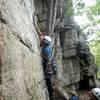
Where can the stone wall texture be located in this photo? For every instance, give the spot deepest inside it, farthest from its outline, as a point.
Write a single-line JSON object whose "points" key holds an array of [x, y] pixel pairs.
{"points": [[21, 69], [21, 73]]}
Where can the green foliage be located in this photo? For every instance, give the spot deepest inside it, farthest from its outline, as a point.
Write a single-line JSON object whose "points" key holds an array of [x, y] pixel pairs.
{"points": [[79, 8], [68, 9], [92, 13], [98, 21], [95, 9], [95, 49], [98, 75]]}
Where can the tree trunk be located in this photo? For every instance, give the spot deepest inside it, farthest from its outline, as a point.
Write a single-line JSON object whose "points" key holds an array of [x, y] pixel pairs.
{"points": [[54, 15], [49, 17]]}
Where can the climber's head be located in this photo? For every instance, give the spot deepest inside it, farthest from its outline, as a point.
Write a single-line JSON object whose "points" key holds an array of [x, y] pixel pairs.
{"points": [[47, 40]]}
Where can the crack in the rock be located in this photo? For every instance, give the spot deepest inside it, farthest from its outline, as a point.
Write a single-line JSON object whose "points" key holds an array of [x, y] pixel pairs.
{"points": [[20, 39], [35, 88], [2, 19]]}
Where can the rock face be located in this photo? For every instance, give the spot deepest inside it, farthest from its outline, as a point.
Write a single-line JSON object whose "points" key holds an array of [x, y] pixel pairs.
{"points": [[21, 70], [71, 69], [21, 73], [69, 40]]}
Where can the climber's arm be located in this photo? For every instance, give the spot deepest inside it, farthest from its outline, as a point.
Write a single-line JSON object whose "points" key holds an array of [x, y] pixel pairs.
{"points": [[40, 34]]}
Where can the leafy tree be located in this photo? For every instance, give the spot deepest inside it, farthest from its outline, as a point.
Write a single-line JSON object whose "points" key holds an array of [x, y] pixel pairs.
{"points": [[92, 27]]}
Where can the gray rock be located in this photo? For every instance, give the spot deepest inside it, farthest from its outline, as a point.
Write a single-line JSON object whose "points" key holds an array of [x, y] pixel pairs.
{"points": [[21, 73]]}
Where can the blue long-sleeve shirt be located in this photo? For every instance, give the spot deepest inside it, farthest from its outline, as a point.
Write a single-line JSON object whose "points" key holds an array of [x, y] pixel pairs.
{"points": [[47, 51]]}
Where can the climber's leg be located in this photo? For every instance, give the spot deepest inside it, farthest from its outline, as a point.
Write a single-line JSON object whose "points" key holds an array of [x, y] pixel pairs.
{"points": [[49, 87]]}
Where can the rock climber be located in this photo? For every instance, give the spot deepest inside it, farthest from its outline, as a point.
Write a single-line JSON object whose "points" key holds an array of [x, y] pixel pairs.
{"points": [[46, 52]]}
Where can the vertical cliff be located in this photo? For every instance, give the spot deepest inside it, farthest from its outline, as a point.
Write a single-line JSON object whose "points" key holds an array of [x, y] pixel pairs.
{"points": [[21, 69], [21, 73]]}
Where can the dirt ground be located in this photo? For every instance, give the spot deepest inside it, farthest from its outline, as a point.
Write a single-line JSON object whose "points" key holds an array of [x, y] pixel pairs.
{"points": [[88, 95]]}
